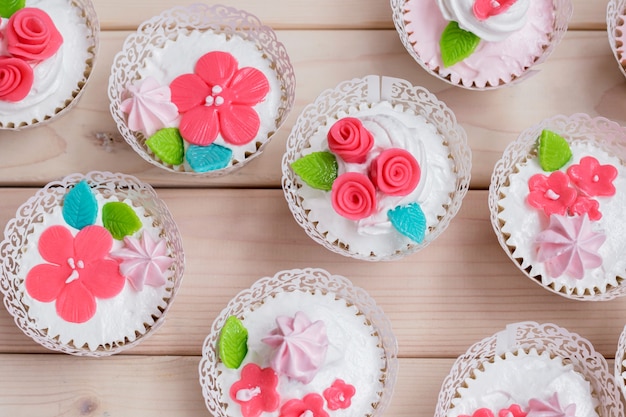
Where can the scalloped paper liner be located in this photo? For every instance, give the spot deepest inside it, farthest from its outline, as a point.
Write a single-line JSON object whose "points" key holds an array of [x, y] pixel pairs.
{"points": [[615, 23]]}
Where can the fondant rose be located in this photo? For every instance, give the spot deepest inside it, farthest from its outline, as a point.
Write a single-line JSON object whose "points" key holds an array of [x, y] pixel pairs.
{"points": [[16, 79], [395, 172], [349, 139], [353, 196], [31, 35]]}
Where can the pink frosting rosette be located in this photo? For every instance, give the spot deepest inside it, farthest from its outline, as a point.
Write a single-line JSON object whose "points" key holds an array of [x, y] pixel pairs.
{"points": [[32, 35], [16, 79], [353, 196], [395, 172], [349, 139]]}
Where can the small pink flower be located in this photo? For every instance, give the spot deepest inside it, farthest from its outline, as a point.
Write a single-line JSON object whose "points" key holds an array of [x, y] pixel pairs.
{"points": [[484, 9], [256, 391], [219, 98], [395, 172], [312, 405], [481, 412], [585, 205], [553, 194], [513, 411], [31, 35], [349, 139], [339, 395], [16, 79], [592, 178], [353, 196]]}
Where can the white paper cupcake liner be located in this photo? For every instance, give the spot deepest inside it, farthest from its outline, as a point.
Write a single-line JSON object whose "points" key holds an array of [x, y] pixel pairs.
{"points": [[31, 213], [547, 337], [307, 280], [615, 9], [620, 362], [156, 32]]}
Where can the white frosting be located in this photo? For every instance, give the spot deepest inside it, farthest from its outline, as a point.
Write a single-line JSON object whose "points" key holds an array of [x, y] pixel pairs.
{"points": [[56, 78], [117, 319], [179, 57], [353, 355], [390, 127], [520, 377], [523, 223], [493, 29]]}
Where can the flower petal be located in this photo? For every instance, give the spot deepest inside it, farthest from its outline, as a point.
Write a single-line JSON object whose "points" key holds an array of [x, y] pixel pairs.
{"points": [[103, 278], [56, 244], [239, 124], [92, 243], [189, 91], [44, 282], [249, 86], [75, 303], [200, 126], [216, 68]]}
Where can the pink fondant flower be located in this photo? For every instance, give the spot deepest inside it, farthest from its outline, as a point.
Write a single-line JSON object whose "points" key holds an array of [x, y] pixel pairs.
{"points": [[481, 412], [78, 272], [256, 391], [312, 405], [550, 408], [353, 196], [513, 411], [484, 9], [16, 79], [144, 261], [339, 395], [218, 99], [588, 206], [553, 194], [31, 35], [149, 106], [349, 139], [592, 178], [395, 172], [569, 246]]}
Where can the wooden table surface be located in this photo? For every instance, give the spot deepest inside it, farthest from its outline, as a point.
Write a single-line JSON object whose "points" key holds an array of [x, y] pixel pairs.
{"points": [[238, 228]]}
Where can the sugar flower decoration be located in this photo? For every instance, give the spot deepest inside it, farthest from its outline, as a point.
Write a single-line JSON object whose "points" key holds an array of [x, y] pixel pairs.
{"points": [[256, 391], [312, 405], [339, 395], [481, 412], [592, 178], [78, 271], [553, 194], [550, 408], [218, 99], [513, 411], [569, 246], [144, 261], [149, 106]]}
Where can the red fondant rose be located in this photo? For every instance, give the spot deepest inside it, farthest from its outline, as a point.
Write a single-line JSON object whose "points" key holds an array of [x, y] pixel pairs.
{"points": [[353, 196], [31, 35], [349, 139], [395, 172], [16, 79]]}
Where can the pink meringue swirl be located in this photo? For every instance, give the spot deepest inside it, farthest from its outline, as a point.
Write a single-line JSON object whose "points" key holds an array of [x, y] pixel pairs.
{"points": [[550, 408], [149, 106], [299, 347], [31, 35], [349, 139], [395, 172], [16, 79], [353, 196]]}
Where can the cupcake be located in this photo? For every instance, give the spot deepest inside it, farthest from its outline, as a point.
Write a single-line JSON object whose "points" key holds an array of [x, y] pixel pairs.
{"points": [[616, 30], [303, 342], [556, 199], [47, 52], [480, 44], [376, 168], [91, 264], [201, 89], [530, 370]]}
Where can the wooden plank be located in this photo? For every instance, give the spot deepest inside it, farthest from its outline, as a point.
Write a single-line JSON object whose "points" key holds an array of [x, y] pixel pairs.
{"points": [[581, 76], [458, 290]]}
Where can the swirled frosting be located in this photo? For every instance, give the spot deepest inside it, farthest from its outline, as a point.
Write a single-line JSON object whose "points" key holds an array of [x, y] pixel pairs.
{"points": [[491, 28]]}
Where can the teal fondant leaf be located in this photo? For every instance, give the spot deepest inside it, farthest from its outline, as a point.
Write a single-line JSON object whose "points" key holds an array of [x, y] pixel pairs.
{"points": [[409, 220], [317, 169], [120, 219], [80, 207], [208, 158]]}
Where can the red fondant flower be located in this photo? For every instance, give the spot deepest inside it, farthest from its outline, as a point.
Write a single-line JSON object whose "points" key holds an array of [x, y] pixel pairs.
{"points": [[218, 98], [553, 194], [584, 205], [16, 79], [353, 196], [395, 172], [349, 139], [78, 272], [592, 178], [481, 412], [513, 411], [312, 405], [31, 35], [484, 9], [256, 391], [339, 395]]}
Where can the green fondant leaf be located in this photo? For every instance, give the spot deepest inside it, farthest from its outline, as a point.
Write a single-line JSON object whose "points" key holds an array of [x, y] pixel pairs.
{"points": [[554, 151], [409, 220], [456, 44], [8, 7], [80, 207], [120, 219], [208, 158], [233, 343], [318, 169], [167, 144]]}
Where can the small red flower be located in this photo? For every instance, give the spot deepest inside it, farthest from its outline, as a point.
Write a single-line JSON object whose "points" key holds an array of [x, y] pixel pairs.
{"points": [[481, 412], [31, 35], [395, 172], [553, 194], [592, 178], [16, 79], [584, 205], [312, 405], [256, 391], [353, 196], [513, 411], [339, 395], [349, 139]]}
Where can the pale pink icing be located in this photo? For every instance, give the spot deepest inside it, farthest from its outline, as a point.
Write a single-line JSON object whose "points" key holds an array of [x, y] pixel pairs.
{"points": [[569, 246], [299, 346], [550, 408], [492, 63], [149, 106]]}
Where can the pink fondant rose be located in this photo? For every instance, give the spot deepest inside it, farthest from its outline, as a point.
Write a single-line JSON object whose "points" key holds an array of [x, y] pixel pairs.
{"points": [[349, 139], [395, 172], [31, 35], [16, 79], [353, 196]]}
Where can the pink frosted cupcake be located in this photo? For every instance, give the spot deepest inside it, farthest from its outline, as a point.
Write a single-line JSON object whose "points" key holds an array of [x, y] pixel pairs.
{"points": [[91, 264], [480, 44]]}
